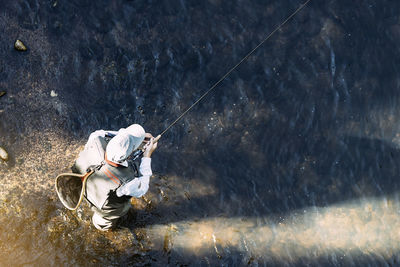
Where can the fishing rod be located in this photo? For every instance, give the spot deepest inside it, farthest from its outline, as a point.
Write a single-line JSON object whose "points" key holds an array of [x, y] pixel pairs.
{"points": [[64, 180], [233, 68], [140, 152]]}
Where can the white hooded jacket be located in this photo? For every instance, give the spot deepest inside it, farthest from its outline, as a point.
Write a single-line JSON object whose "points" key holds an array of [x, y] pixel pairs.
{"points": [[117, 150]]}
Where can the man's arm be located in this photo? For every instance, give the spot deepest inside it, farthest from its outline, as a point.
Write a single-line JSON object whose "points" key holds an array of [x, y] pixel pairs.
{"points": [[139, 186]]}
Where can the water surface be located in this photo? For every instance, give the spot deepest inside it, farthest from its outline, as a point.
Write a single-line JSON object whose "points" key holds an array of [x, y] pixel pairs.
{"points": [[291, 161]]}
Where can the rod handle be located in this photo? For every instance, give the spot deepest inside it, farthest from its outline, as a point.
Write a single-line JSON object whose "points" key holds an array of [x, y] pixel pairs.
{"points": [[157, 138]]}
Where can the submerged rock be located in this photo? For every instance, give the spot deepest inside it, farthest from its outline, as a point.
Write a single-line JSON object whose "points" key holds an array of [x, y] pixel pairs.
{"points": [[3, 154], [19, 45], [2, 93], [141, 110], [53, 93]]}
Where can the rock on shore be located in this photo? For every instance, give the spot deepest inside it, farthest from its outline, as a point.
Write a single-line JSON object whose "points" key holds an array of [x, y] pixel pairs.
{"points": [[3, 154], [19, 45]]}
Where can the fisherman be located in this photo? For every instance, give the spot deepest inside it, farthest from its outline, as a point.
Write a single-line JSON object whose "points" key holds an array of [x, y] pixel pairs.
{"points": [[116, 178]]}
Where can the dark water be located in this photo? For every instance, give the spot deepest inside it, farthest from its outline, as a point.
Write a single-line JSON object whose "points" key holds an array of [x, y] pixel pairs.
{"points": [[291, 161]]}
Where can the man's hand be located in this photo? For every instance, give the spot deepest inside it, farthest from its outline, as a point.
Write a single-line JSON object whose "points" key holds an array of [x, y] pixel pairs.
{"points": [[151, 146]]}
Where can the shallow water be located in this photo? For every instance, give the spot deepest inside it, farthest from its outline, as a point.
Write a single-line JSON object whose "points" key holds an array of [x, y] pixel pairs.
{"points": [[291, 161]]}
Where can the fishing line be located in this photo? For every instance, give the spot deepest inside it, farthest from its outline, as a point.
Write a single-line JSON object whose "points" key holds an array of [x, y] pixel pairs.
{"points": [[237, 65]]}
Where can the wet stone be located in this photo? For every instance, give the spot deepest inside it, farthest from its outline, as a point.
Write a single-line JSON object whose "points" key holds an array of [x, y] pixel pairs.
{"points": [[3, 154], [140, 109], [19, 45]]}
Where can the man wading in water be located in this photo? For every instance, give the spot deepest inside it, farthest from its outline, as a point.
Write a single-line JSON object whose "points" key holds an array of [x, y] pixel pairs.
{"points": [[116, 178]]}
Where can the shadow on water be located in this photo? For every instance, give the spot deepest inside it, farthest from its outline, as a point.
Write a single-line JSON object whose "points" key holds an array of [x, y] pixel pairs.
{"points": [[343, 215], [344, 170]]}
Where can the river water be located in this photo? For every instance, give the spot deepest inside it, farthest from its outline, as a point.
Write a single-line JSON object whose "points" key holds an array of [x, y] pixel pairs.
{"points": [[291, 161]]}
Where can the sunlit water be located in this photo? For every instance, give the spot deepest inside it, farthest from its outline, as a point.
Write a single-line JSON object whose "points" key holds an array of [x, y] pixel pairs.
{"points": [[293, 160]]}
